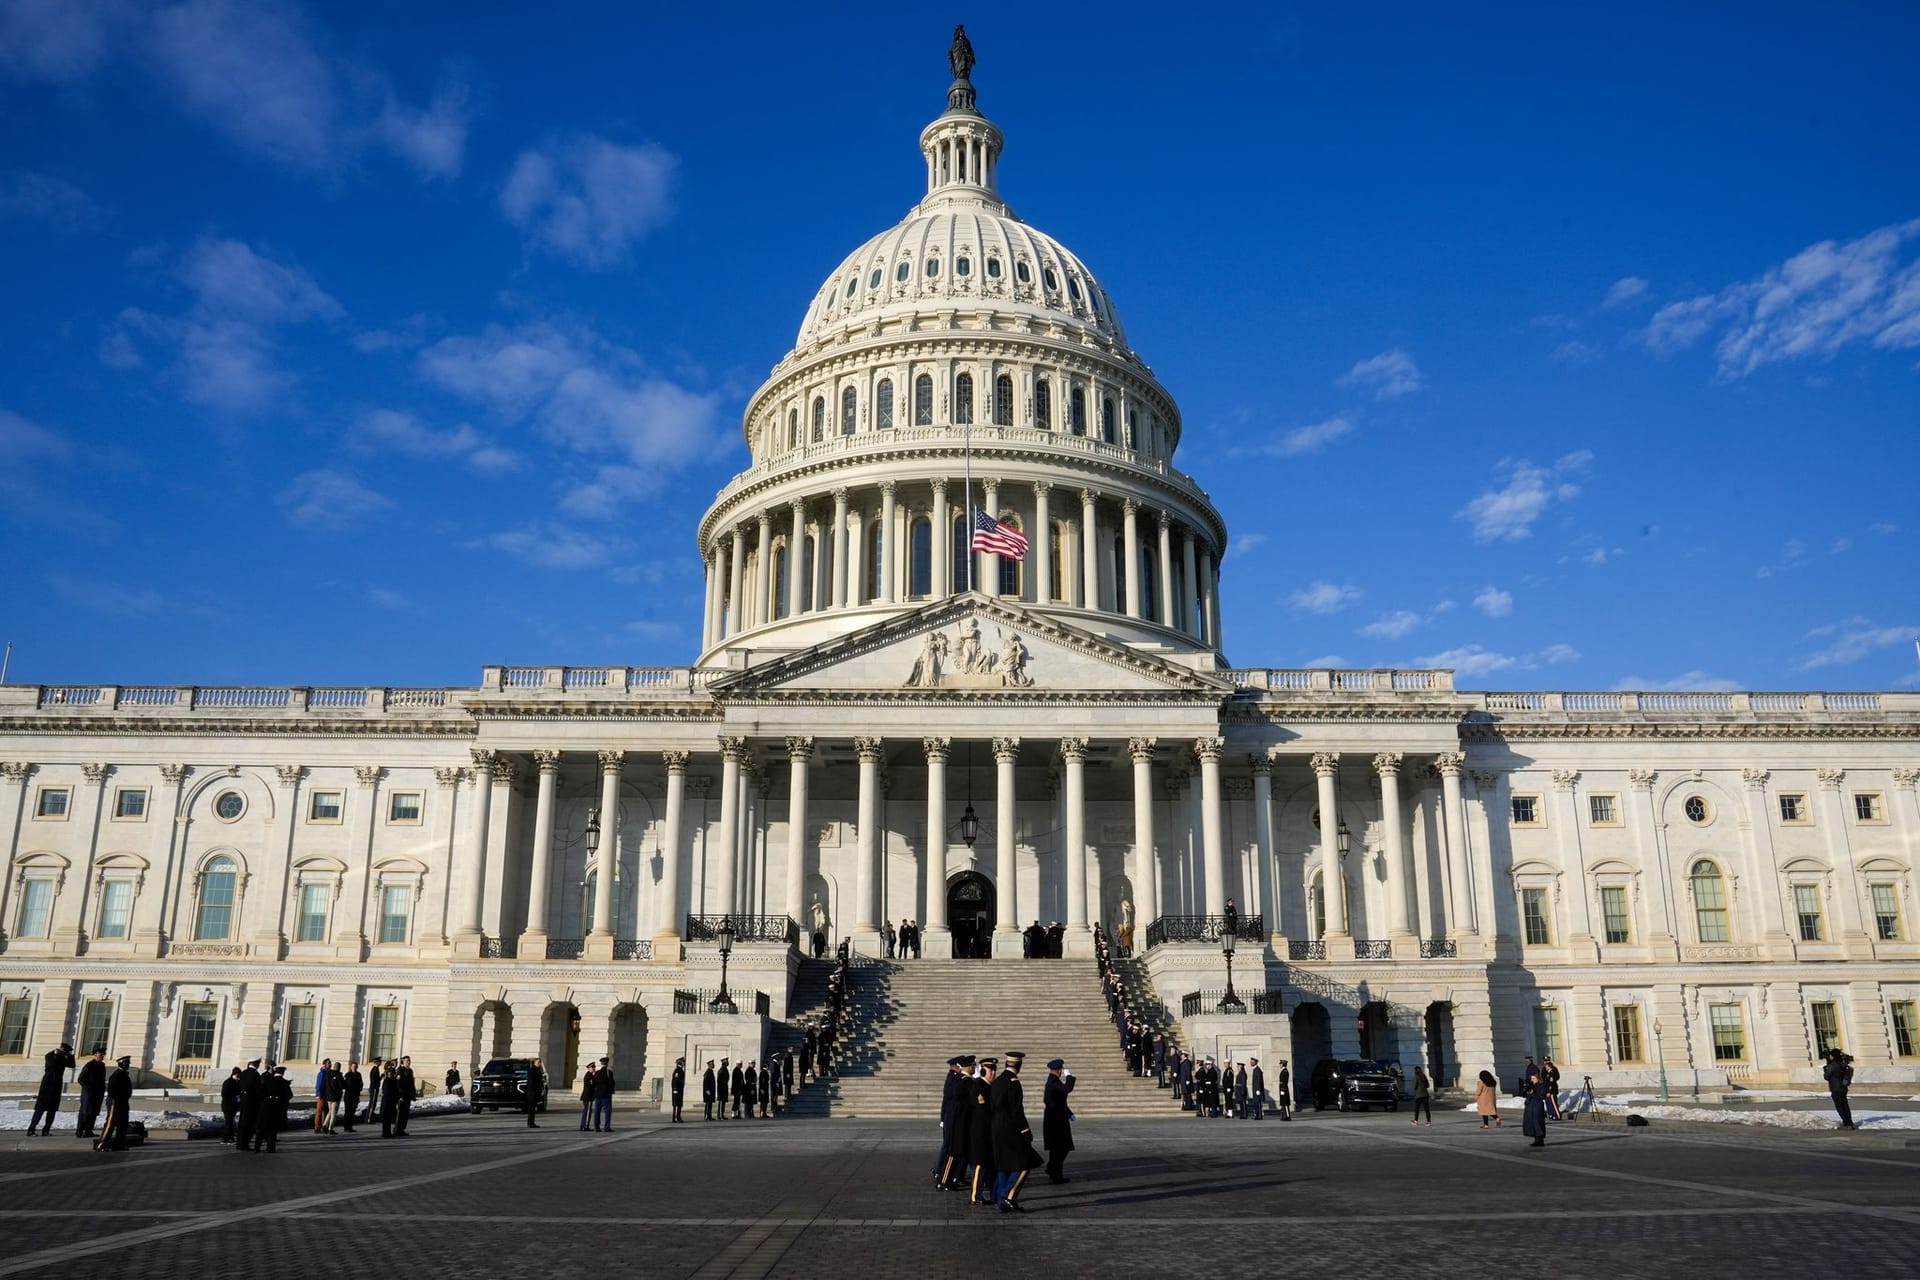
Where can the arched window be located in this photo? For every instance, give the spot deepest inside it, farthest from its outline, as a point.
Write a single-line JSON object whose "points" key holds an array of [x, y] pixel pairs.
{"points": [[963, 400], [1003, 401], [1317, 900], [819, 419], [1057, 569], [1077, 411], [807, 563], [778, 606], [793, 428], [923, 401], [962, 552], [213, 919], [873, 562], [1149, 598], [1709, 901], [1133, 429], [1106, 419], [849, 411], [1010, 569], [920, 559], [1043, 404], [883, 405]]}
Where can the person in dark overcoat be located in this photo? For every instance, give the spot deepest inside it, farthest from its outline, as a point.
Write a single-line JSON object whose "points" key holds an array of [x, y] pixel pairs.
{"points": [[737, 1089], [250, 1095], [402, 1083], [752, 1082], [1534, 1116], [1283, 1090], [230, 1108], [276, 1095], [725, 1082], [536, 1089], [679, 1087], [53, 1081], [389, 1097], [375, 1077], [113, 1134], [1013, 1153], [1257, 1090], [707, 1089], [949, 1105], [351, 1084], [977, 1101], [1056, 1120], [93, 1091]]}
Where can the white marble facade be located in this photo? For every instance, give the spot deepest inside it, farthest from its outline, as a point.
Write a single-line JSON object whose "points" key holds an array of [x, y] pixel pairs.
{"points": [[197, 875]]}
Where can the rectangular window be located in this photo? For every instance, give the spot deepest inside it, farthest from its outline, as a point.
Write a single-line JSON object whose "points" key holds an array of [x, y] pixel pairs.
{"points": [[1729, 1033], [130, 804], [96, 1026], [1533, 910], [1886, 912], [1866, 807], [314, 900], [1793, 807], [196, 1029], [1603, 811], [1613, 906], [393, 912], [116, 909], [16, 1017], [1806, 905], [36, 909], [301, 1019], [52, 802], [383, 1035], [403, 806], [1546, 1031], [1627, 1043], [1526, 811], [1826, 1027], [1906, 1029], [324, 806]]}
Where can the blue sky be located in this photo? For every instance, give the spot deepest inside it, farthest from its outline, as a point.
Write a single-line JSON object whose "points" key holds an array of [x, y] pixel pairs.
{"points": [[367, 344]]}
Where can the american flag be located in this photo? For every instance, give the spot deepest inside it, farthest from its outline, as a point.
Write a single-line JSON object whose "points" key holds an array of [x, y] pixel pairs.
{"points": [[990, 535]]}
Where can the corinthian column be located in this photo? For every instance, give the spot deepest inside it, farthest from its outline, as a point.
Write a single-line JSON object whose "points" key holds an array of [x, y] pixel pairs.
{"points": [[1042, 543], [1165, 575], [1146, 862], [1460, 918], [533, 935], [1267, 903], [1333, 880], [1211, 852], [889, 592], [1089, 553], [666, 944], [935, 917], [867, 881], [1387, 766], [837, 561], [724, 858], [466, 928], [940, 582], [1130, 532], [1074, 752], [796, 559], [1006, 887], [799, 756], [607, 859], [762, 610], [736, 613]]}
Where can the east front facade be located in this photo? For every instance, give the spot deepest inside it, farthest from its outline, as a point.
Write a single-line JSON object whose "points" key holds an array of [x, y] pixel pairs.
{"points": [[961, 665]]}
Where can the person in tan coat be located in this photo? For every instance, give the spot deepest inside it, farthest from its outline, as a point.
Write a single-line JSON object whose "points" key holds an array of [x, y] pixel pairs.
{"points": [[1486, 1099]]}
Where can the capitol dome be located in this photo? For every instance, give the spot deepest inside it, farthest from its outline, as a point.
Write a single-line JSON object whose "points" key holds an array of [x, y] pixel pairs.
{"points": [[960, 361]]}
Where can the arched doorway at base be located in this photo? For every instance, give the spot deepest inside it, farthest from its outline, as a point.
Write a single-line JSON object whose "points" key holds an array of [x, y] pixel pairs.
{"points": [[970, 914], [1442, 1061]]}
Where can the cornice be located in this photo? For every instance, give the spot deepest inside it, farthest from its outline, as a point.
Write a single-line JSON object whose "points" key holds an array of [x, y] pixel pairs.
{"points": [[198, 726], [597, 711], [1705, 731], [1294, 712]]}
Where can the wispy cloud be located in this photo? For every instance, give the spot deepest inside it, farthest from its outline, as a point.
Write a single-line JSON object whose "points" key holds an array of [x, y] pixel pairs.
{"points": [[1508, 513], [1623, 291], [588, 199], [395, 431], [1392, 626], [1309, 439], [1574, 353], [1884, 527], [1324, 597], [387, 598], [1793, 555], [1854, 639], [330, 501], [1469, 660], [552, 546], [1245, 543], [1493, 602], [1685, 682], [1387, 376], [52, 202], [1826, 297], [1325, 661]]}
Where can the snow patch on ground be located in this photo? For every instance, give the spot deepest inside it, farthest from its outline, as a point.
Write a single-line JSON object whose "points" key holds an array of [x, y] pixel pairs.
{"points": [[1764, 1119], [66, 1119]]}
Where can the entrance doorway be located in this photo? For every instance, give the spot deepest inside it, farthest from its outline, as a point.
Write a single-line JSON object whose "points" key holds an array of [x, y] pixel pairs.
{"points": [[1441, 1061], [1376, 1032], [970, 915], [560, 1039], [1312, 1041]]}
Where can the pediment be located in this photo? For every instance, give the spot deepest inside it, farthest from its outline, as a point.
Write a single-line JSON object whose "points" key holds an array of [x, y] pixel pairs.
{"points": [[972, 646]]}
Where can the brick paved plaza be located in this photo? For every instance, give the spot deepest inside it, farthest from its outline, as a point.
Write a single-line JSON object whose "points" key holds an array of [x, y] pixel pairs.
{"points": [[1364, 1194]]}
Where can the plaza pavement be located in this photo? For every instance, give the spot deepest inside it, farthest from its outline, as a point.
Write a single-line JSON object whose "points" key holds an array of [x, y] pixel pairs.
{"points": [[1364, 1194]]}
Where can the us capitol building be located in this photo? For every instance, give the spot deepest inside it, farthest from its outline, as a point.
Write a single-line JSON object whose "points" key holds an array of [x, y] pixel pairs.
{"points": [[884, 725]]}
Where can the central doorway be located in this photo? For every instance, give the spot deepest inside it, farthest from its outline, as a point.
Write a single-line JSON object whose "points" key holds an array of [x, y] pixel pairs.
{"points": [[970, 915]]}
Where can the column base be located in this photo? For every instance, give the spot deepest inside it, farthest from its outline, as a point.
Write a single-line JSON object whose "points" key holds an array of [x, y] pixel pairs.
{"points": [[532, 945], [1077, 943], [668, 947], [466, 944], [1339, 947], [866, 941], [599, 950], [1009, 944]]}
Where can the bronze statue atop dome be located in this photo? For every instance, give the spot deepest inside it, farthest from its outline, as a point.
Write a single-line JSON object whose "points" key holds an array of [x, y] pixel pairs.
{"points": [[960, 53]]}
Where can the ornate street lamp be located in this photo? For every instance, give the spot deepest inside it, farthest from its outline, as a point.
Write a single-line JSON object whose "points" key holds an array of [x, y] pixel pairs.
{"points": [[1343, 838], [723, 1003], [969, 821], [1229, 1003], [1660, 1053], [593, 830]]}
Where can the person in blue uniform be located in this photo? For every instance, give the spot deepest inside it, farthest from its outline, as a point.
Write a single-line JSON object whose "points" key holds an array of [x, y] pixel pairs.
{"points": [[1013, 1153], [679, 1087], [949, 1103], [93, 1091]]}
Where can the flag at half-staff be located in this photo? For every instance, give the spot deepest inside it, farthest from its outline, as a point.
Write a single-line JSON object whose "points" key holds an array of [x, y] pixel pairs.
{"points": [[998, 539]]}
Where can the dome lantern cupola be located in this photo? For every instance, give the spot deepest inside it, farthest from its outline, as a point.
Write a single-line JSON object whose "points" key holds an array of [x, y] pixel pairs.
{"points": [[962, 146]]}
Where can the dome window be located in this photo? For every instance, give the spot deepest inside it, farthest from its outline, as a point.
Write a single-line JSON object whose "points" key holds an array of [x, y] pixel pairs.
{"points": [[819, 419], [1077, 413], [993, 268], [1042, 404], [923, 401], [901, 272], [883, 405], [963, 266], [1052, 281], [853, 282], [849, 411], [933, 268], [1073, 288], [793, 428], [1022, 273], [1002, 400], [873, 281], [1106, 419], [963, 400]]}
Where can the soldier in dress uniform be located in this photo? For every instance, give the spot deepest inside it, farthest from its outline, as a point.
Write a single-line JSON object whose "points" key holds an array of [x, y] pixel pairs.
{"points": [[276, 1096], [1283, 1090], [707, 1089], [113, 1134], [250, 1096], [93, 1091], [230, 1108], [950, 1089], [1056, 1120], [351, 1082], [1013, 1153], [53, 1081], [403, 1110], [737, 1089], [725, 1080], [679, 1087]]}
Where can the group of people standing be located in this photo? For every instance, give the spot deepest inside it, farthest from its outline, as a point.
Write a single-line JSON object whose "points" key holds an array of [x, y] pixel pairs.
{"points": [[902, 942], [986, 1143], [254, 1102], [99, 1089], [1216, 1091], [751, 1088]]}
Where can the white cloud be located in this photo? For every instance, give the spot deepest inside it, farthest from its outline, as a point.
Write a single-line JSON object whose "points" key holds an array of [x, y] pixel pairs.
{"points": [[58, 41], [329, 501], [1245, 543], [1685, 682], [1624, 290], [1391, 626], [1468, 660], [651, 629], [393, 431], [1555, 654], [1574, 353], [1311, 439], [1494, 602], [1325, 661], [1387, 376], [552, 546], [1840, 545], [50, 201], [23, 442], [1824, 298], [1324, 597], [1884, 527], [1854, 639], [386, 598], [589, 200], [1508, 513], [110, 598], [1792, 556]]}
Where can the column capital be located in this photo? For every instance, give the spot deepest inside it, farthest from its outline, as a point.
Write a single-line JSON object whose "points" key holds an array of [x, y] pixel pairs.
{"points": [[1141, 749], [1325, 763], [992, 486], [1564, 779], [504, 773], [612, 761], [483, 759], [799, 750], [95, 772], [1164, 519], [1830, 779], [887, 487], [369, 775], [1388, 762], [1448, 763], [936, 749], [870, 750], [765, 521], [675, 761], [1131, 506], [1485, 779], [1005, 749], [1259, 762], [1641, 779], [1210, 749], [1043, 486], [798, 505], [1756, 779], [1086, 497], [174, 773], [20, 770], [447, 779], [840, 495], [741, 530], [289, 774], [547, 761], [733, 748], [1903, 776], [1073, 749], [938, 483]]}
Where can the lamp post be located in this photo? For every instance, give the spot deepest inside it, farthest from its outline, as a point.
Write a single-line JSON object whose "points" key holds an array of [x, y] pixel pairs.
{"points": [[723, 1003], [1660, 1052], [1229, 1003]]}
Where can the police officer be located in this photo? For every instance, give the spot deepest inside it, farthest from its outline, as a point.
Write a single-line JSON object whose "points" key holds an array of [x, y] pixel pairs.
{"points": [[93, 1090], [679, 1087], [276, 1096], [230, 1108], [351, 1082], [408, 1092], [113, 1135]]}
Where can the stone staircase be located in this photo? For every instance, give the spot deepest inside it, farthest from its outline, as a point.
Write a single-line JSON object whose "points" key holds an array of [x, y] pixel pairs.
{"points": [[905, 1019]]}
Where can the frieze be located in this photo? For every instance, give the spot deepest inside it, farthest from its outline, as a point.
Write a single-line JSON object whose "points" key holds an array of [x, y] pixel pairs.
{"points": [[291, 726], [1511, 731], [1725, 951]]}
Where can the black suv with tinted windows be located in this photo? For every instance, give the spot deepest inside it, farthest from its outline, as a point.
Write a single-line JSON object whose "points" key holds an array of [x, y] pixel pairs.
{"points": [[502, 1085], [1350, 1083]]}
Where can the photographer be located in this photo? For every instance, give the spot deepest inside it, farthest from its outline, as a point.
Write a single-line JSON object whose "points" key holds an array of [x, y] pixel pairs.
{"points": [[1839, 1077]]}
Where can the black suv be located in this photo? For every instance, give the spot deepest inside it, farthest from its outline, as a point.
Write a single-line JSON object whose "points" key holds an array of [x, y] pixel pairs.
{"points": [[502, 1085], [1350, 1083]]}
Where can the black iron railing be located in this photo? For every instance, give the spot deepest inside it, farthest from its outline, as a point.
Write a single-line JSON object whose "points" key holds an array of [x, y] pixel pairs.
{"points": [[1439, 949], [1372, 949], [566, 948], [1204, 929], [745, 928], [747, 1002], [633, 948], [498, 948], [1196, 1003], [1306, 951]]}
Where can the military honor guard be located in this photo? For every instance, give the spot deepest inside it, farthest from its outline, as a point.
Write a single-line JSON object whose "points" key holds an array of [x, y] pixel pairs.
{"points": [[1012, 1137], [119, 1087], [1056, 1120], [93, 1091], [276, 1096], [707, 1088], [679, 1087], [53, 1081]]}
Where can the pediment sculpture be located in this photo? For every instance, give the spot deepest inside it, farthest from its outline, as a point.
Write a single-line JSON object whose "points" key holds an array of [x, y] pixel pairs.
{"points": [[965, 661]]}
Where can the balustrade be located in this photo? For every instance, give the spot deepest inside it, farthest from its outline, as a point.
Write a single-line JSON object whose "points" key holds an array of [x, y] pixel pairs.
{"points": [[1203, 929], [745, 928]]}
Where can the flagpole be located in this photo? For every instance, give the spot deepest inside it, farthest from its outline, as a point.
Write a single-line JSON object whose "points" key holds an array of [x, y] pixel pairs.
{"points": [[967, 452]]}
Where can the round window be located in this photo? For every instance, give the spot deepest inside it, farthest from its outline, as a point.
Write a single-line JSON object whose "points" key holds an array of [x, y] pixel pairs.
{"points": [[963, 266], [933, 267], [900, 272], [873, 281], [229, 806], [1021, 273], [1696, 809], [993, 268], [1053, 282]]}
